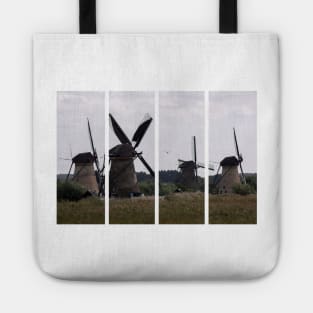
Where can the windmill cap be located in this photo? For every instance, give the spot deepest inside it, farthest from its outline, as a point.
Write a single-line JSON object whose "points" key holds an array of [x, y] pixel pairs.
{"points": [[122, 151], [230, 161], [86, 157]]}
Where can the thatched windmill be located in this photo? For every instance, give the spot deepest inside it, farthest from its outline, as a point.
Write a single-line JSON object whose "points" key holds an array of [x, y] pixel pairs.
{"points": [[188, 176], [224, 182], [84, 173], [123, 178]]}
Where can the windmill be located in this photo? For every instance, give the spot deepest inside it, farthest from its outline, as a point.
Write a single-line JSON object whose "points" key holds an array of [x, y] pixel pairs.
{"points": [[189, 169], [230, 176], [123, 178], [84, 172]]}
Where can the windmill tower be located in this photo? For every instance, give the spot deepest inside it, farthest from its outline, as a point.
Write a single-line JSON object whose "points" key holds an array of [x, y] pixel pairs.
{"points": [[230, 176], [188, 176], [84, 172], [123, 178]]}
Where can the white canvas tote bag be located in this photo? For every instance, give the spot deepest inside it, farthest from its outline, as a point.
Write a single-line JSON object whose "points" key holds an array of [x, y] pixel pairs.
{"points": [[156, 156]]}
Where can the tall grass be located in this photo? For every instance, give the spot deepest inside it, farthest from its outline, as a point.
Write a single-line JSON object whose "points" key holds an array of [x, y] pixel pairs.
{"points": [[85, 211], [233, 209], [176, 208], [182, 208], [132, 211]]}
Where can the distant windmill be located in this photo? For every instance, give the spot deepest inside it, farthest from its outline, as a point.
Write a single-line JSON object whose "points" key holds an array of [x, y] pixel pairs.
{"points": [[123, 178], [84, 172], [189, 169], [230, 176]]}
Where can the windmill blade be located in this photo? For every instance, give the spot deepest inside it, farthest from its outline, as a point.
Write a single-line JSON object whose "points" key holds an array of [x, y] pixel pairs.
{"points": [[93, 147], [69, 172], [236, 145], [118, 131], [141, 130], [242, 174], [181, 161], [216, 176], [194, 149], [195, 156], [101, 187], [90, 136], [144, 162], [239, 158], [201, 165], [103, 165]]}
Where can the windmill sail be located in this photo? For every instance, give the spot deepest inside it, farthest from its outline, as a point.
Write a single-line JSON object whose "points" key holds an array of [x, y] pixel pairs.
{"points": [[145, 163], [239, 156], [94, 152], [69, 172], [99, 171], [118, 131], [139, 134], [195, 156], [141, 130]]}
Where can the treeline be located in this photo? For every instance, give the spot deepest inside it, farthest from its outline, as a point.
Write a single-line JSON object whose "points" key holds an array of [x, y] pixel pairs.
{"points": [[169, 176]]}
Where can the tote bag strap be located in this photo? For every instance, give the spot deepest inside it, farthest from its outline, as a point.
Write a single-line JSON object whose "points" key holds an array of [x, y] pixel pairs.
{"points": [[228, 16], [87, 17]]}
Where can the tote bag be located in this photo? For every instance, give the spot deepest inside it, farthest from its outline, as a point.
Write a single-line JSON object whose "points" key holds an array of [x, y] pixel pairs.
{"points": [[156, 156]]}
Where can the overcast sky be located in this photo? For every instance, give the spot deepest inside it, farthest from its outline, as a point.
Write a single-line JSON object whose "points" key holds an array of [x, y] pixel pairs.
{"points": [[228, 110], [129, 109], [72, 132], [181, 117]]}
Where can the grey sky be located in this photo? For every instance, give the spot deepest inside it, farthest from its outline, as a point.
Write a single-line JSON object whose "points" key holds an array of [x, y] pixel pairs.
{"points": [[181, 117], [228, 110], [73, 108], [129, 110]]}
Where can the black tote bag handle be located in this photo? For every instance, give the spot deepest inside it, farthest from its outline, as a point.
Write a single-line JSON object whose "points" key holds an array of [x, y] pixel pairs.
{"points": [[87, 17], [228, 17]]}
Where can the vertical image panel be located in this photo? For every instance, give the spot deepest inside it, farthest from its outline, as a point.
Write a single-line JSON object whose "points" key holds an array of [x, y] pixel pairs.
{"points": [[181, 158], [80, 157], [131, 154], [233, 155]]}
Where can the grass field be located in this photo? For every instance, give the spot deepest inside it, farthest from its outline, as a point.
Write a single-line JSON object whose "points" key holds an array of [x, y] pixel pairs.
{"points": [[233, 209], [176, 208], [86, 211], [182, 208], [132, 211]]}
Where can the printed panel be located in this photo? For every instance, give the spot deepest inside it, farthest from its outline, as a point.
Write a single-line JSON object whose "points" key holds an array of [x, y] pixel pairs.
{"points": [[80, 157], [233, 157], [131, 153], [181, 158]]}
